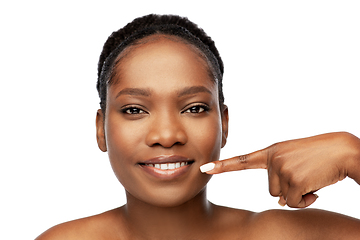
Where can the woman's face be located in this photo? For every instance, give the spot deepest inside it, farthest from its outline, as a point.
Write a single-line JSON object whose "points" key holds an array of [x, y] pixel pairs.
{"points": [[162, 122]]}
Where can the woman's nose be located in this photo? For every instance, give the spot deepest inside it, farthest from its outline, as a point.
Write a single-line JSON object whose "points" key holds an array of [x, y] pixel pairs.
{"points": [[166, 131]]}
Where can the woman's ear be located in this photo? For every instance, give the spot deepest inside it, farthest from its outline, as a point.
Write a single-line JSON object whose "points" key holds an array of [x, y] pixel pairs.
{"points": [[225, 124], [100, 131]]}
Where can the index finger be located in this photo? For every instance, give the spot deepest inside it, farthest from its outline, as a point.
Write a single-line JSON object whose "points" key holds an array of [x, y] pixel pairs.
{"points": [[253, 160]]}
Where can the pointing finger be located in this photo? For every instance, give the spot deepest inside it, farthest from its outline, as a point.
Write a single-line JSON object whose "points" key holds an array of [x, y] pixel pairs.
{"points": [[253, 160]]}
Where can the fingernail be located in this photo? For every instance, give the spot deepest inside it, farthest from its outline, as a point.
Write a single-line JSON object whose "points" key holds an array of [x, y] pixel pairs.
{"points": [[281, 203], [207, 167]]}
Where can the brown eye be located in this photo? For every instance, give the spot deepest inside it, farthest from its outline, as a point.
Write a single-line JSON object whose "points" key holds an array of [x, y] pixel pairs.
{"points": [[133, 110], [197, 109]]}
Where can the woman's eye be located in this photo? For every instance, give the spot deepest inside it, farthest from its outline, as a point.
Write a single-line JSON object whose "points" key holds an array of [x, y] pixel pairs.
{"points": [[197, 109], [133, 110]]}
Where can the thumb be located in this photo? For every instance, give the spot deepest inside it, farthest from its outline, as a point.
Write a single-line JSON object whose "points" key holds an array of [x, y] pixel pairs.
{"points": [[253, 160]]}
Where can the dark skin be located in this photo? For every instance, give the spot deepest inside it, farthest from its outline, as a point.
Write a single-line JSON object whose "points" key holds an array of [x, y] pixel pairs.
{"points": [[166, 104]]}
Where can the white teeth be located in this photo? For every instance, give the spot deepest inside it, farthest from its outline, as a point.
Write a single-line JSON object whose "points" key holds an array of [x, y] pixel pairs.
{"points": [[166, 166]]}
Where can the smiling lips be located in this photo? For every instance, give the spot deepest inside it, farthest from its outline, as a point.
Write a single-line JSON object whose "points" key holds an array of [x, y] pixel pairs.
{"points": [[166, 167]]}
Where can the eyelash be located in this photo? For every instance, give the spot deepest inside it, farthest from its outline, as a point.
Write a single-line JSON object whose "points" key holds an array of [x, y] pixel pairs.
{"points": [[195, 109], [128, 110], [199, 108]]}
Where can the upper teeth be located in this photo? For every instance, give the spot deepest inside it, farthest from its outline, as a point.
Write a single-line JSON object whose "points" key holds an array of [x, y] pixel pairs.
{"points": [[166, 166]]}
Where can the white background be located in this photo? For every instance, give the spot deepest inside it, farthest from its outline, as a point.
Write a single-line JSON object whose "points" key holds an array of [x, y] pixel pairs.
{"points": [[292, 69]]}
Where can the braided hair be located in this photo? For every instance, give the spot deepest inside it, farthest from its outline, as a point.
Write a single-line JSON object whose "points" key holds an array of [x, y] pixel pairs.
{"points": [[152, 24]]}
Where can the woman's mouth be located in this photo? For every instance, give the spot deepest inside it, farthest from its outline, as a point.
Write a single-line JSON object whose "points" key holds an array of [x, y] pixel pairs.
{"points": [[166, 167]]}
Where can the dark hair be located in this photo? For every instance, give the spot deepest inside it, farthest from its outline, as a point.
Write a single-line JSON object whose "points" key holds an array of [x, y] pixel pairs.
{"points": [[149, 25]]}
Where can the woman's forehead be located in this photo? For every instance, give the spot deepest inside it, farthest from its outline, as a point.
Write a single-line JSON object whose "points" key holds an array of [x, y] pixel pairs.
{"points": [[162, 60]]}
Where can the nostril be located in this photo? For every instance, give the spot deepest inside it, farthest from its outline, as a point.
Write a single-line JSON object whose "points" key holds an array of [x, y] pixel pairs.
{"points": [[164, 145], [179, 143], [166, 134]]}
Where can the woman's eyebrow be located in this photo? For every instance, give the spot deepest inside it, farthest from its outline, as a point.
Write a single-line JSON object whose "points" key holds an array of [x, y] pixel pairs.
{"points": [[134, 92], [193, 90]]}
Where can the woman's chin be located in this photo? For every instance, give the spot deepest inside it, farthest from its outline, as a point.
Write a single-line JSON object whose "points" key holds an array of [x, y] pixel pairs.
{"points": [[169, 197]]}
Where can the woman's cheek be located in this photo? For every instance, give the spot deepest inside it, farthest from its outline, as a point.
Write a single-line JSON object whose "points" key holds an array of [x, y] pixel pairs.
{"points": [[122, 136], [207, 136], [122, 144]]}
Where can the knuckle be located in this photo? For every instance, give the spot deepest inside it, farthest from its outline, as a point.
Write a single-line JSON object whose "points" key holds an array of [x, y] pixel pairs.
{"points": [[243, 159], [273, 192], [286, 172], [274, 187], [291, 204], [300, 204], [274, 147], [297, 181]]}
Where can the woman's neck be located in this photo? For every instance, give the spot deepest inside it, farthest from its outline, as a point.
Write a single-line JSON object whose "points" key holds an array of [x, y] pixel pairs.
{"points": [[153, 222]]}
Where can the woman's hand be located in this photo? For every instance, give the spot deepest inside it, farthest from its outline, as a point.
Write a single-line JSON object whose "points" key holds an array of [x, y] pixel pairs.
{"points": [[298, 168]]}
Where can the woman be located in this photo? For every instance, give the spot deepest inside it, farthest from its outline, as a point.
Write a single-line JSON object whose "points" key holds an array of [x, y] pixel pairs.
{"points": [[163, 122]]}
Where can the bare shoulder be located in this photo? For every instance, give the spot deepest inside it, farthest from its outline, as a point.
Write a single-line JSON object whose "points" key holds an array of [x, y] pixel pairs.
{"points": [[304, 224], [230, 223], [284, 224], [106, 225], [227, 216]]}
